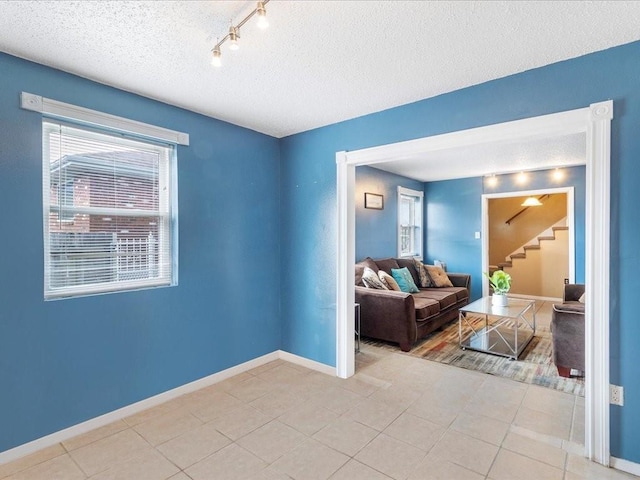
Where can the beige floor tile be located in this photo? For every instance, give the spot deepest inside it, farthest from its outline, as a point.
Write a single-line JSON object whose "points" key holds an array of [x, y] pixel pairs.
{"points": [[338, 399], [308, 418], [276, 403], [310, 461], [346, 436], [31, 460], [584, 469], [58, 468], [110, 451], [149, 465], [390, 456], [240, 422], [435, 469], [397, 395], [354, 470], [282, 375], [549, 401], [363, 384], [416, 431], [231, 463], [543, 452], [505, 412], [483, 428], [537, 421], [271, 441], [251, 389], [468, 452], [425, 408], [194, 445], [512, 466], [167, 426], [214, 405], [577, 427], [501, 392], [94, 435], [180, 476], [374, 413], [267, 366], [151, 413], [269, 473]]}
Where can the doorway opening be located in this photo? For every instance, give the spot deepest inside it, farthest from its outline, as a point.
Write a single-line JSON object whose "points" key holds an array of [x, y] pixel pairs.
{"points": [[594, 122]]}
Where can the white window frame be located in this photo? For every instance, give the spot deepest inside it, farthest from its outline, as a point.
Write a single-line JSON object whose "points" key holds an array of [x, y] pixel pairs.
{"points": [[90, 120], [418, 222]]}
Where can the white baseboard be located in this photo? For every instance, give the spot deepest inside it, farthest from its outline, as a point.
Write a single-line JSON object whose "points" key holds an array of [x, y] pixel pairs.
{"points": [[84, 427], [625, 466]]}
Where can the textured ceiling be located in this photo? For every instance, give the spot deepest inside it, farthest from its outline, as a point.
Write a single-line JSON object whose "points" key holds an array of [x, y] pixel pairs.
{"points": [[320, 62]]}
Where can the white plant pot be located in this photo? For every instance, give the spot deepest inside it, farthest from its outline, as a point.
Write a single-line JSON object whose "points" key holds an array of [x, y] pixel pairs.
{"points": [[499, 300]]}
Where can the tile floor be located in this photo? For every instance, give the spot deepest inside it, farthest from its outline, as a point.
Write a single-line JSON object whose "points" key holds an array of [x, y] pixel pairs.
{"points": [[398, 418]]}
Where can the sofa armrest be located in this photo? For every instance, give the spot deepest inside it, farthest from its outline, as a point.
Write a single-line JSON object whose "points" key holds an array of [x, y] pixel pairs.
{"points": [[387, 315], [572, 292], [460, 280]]}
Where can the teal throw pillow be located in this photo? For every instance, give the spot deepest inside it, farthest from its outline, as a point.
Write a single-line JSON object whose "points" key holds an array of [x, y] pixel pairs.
{"points": [[404, 279]]}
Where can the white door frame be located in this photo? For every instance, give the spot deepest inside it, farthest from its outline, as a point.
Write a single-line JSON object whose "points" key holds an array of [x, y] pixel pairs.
{"points": [[595, 122], [571, 223]]}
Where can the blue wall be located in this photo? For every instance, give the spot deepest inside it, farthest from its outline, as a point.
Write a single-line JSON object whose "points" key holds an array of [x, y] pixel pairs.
{"points": [[376, 230], [66, 361], [308, 207], [453, 219]]}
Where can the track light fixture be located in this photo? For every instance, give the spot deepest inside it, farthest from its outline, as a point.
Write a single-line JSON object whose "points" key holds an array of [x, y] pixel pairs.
{"points": [[234, 32]]}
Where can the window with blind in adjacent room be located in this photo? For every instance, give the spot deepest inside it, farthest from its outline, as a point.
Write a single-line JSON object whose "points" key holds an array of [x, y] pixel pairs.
{"points": [[107, 211], [409, 223]]}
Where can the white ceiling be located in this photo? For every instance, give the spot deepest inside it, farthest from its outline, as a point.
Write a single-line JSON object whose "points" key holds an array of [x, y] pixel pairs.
{"points": [[492, 158], [320, 62]]}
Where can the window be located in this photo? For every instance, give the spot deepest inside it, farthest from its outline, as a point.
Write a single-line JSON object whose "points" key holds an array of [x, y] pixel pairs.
{"points": [[409, 223], [107, 211]]}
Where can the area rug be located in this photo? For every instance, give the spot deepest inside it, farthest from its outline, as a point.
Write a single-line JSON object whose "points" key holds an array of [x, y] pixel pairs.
{"points": [[534, 365]]}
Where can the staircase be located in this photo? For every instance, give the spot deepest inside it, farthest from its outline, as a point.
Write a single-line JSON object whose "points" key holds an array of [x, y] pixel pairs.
{"points": [[522, 254]]}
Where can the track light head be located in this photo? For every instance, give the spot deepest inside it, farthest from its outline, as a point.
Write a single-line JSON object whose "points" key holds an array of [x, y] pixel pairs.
{"points": [[233, 38], [216, 55], [262, 16]]}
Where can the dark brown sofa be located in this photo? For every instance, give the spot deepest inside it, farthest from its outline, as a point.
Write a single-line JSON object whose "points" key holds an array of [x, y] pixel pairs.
{"points": [[567, 330], [402, 317]]}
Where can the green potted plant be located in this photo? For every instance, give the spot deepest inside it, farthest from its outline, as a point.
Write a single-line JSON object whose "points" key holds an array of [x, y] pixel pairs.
{"points": [[501, 283]]}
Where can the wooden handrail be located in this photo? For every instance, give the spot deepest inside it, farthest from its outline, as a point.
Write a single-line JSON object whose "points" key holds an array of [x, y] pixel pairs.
{"points": [[508, 222]]}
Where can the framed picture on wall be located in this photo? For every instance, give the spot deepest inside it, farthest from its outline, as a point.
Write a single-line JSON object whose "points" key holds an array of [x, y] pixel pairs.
{"points": [[373, 200]]}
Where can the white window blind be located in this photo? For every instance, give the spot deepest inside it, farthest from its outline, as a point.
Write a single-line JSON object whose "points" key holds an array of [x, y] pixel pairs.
{"points": [[107, 211], [409, 222]]}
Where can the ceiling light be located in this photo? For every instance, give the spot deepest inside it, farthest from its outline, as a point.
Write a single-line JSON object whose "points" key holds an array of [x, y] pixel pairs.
{"points": [[558, 175], [522, 178], [492, 181], [216, 60], [531, 202], [233, 38], [234, 32], [262, 16]]}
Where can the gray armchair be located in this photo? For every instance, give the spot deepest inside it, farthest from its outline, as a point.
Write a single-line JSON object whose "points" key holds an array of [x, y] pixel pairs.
{"points": [[567, 329]]}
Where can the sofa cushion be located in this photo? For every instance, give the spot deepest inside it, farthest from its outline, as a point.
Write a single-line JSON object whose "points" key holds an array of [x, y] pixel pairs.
{"points": [[371, 280], [438, 276], [404, 280], [425, 307], [409, 265], [444, 298], [387, 264], [460, 292], [425, 280], [389, 281], [367, 262]]}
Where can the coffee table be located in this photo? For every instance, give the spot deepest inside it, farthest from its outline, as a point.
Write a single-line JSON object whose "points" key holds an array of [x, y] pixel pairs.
{"points": [[505, 331]]}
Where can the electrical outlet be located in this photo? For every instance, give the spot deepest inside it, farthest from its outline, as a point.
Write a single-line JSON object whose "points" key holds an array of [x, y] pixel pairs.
{"points": [[566, 281], [616, 395]]}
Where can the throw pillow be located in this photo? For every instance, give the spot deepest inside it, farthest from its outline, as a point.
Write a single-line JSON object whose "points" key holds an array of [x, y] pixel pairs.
{"points": [[371, 280], [425, 280], [581, 299], [438, 276], [404, 279], [388, 281]]}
